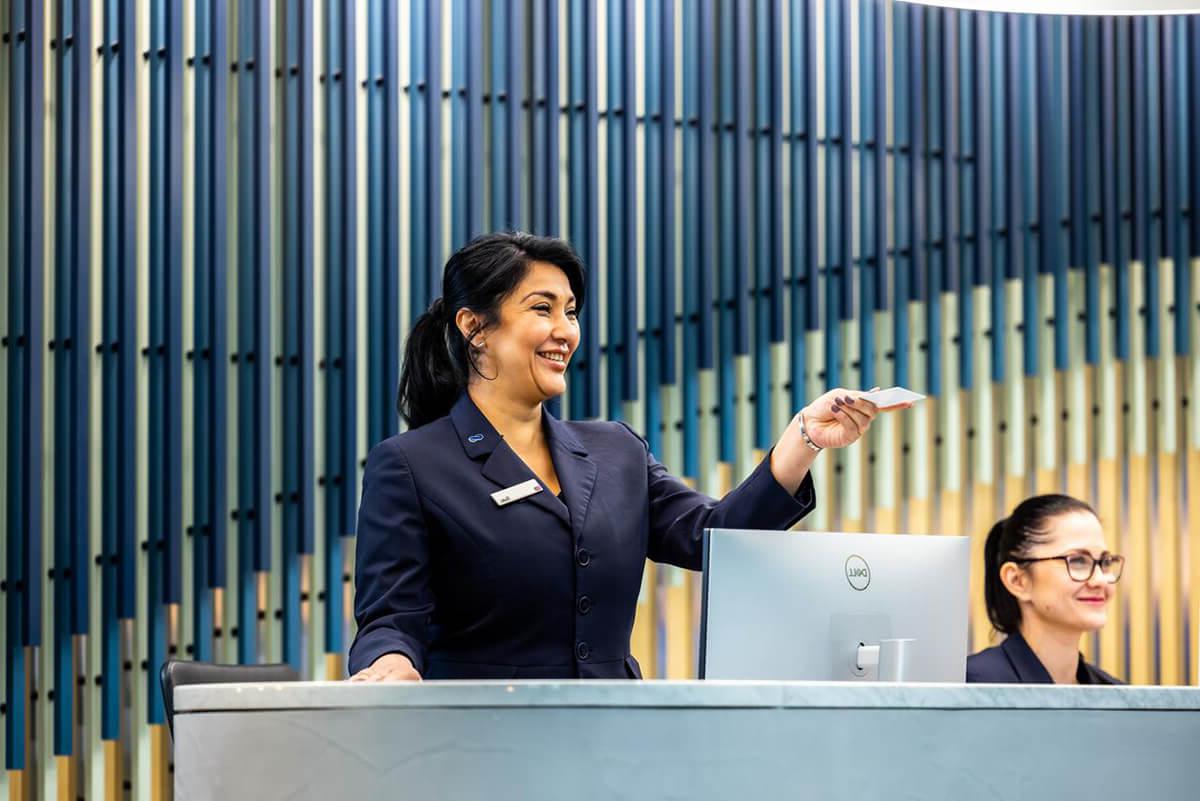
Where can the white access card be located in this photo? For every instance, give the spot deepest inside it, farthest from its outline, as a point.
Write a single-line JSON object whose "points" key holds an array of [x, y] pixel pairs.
{"points": [[892, 396]]}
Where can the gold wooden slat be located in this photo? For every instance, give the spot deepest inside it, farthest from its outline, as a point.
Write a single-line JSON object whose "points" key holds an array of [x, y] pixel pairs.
{"points": [[335, 667], [642, 641], [160, 754], [18, 786], [113, 771], [675, 590], [1137, 579], [68, 778], [1193, 566]]}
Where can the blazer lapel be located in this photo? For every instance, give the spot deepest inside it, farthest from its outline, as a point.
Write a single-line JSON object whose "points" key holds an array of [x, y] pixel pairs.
{"points": [[1025, 662], [501, 465], [576, 472]]}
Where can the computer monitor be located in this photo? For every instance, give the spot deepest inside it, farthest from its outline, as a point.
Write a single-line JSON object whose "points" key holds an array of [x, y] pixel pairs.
{"points": [[798, 606]]}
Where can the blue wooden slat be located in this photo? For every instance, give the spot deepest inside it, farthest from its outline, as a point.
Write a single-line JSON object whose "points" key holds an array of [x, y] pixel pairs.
{"points": [[1123, 218], [1109, 225], [1023, 187], [164, 350], [869, 155], [1148, 170], [802, 222], [964, 243], [1175, 170], [433, 190], [202, 423], [1083, 57], [902, 50], [341, 408], [81, 335], [255, 316], [655, 189], [622, 208], [544, 102], [118, 349], [997, 172], [426, 94], [879, 44], [768, 204], [667, 299], [460, 177], [210, 354], [71, 568], [918, 149], [742, 170], [940, 204], [475, 128], [383, 238], [1194, 115], [25, 342], [742, 175], [696, 256], [728, 262], [501, 215], [296, 359], [583, 190], [837, 134], [628, 165], [1052, 255], [515, 143]]}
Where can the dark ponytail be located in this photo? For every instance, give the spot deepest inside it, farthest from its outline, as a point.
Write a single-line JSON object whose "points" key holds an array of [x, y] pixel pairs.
{"points": [[1011, 539], [438, 358]]}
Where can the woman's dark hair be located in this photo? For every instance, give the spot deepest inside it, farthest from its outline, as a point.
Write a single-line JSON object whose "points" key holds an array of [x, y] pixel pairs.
{"points": [[438, 359], [1010, 540]]}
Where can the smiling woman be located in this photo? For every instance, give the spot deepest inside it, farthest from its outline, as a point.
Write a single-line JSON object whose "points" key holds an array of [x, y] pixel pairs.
{"points": [[1048, 580], [496, 541]]}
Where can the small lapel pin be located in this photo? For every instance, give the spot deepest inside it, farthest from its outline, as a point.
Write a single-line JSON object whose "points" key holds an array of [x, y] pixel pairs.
{"points": [[516, 492], [475, 438]]}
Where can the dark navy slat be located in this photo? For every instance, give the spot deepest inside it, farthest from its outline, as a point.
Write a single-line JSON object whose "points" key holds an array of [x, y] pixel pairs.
{"points": [[903, 86], [962, 236], [1173, 69], [837, 268], [26, 365], [655, 188], [870, 153], [583, 120], [1123, 216], [728, 261], [999, 146], [768, 213], [667, 299], [1194, 115]]}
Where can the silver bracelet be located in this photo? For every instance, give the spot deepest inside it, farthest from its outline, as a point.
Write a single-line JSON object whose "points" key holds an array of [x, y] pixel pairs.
{"points": [[804, 434]]}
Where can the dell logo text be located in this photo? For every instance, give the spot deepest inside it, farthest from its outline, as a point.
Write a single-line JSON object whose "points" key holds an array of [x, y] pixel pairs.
{"points": [[858, 572]]}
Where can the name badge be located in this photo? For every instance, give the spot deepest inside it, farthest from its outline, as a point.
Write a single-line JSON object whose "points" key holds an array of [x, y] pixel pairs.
{"points": [[517, 492]]}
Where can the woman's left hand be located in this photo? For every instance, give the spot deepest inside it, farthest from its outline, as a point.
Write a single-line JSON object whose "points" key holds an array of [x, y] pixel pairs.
{"points": [[838, 418]]}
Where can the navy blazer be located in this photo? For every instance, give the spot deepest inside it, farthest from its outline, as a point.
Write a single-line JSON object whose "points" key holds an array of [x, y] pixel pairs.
{"points": [[536, 588], [1014, 662]]}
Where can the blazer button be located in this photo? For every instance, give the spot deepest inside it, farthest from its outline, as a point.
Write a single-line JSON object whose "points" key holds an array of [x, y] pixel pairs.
{"points": [[583, 556], [584, 604], [582, 651]]}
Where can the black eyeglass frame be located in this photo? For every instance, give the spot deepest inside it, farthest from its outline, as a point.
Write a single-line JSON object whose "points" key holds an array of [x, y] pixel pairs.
{"points": [[1119, 560]]}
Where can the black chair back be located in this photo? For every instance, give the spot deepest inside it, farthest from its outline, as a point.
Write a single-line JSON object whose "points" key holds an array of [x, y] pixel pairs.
{"points": [[177, 673]]}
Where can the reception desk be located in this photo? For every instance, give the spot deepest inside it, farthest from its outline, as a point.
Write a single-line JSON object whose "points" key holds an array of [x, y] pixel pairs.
{"points": [[563, 741]]}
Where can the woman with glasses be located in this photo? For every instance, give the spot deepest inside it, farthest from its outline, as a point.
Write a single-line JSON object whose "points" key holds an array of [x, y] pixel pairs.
{"points": [[1048, 580]]}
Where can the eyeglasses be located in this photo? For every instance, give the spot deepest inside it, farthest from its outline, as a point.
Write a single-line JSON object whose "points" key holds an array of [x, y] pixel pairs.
{"points": [[1082, 566]]}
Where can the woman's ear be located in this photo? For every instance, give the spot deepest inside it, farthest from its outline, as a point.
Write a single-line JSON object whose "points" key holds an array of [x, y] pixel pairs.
{"points": [[1016, 580], [467, 323]]}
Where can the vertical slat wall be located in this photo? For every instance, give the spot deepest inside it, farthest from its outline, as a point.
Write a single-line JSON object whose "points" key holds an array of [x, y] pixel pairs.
{"points": [[218, 218]]}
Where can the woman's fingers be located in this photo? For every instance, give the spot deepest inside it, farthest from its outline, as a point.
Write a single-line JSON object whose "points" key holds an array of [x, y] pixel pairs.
{"points": [[860, 413]]}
